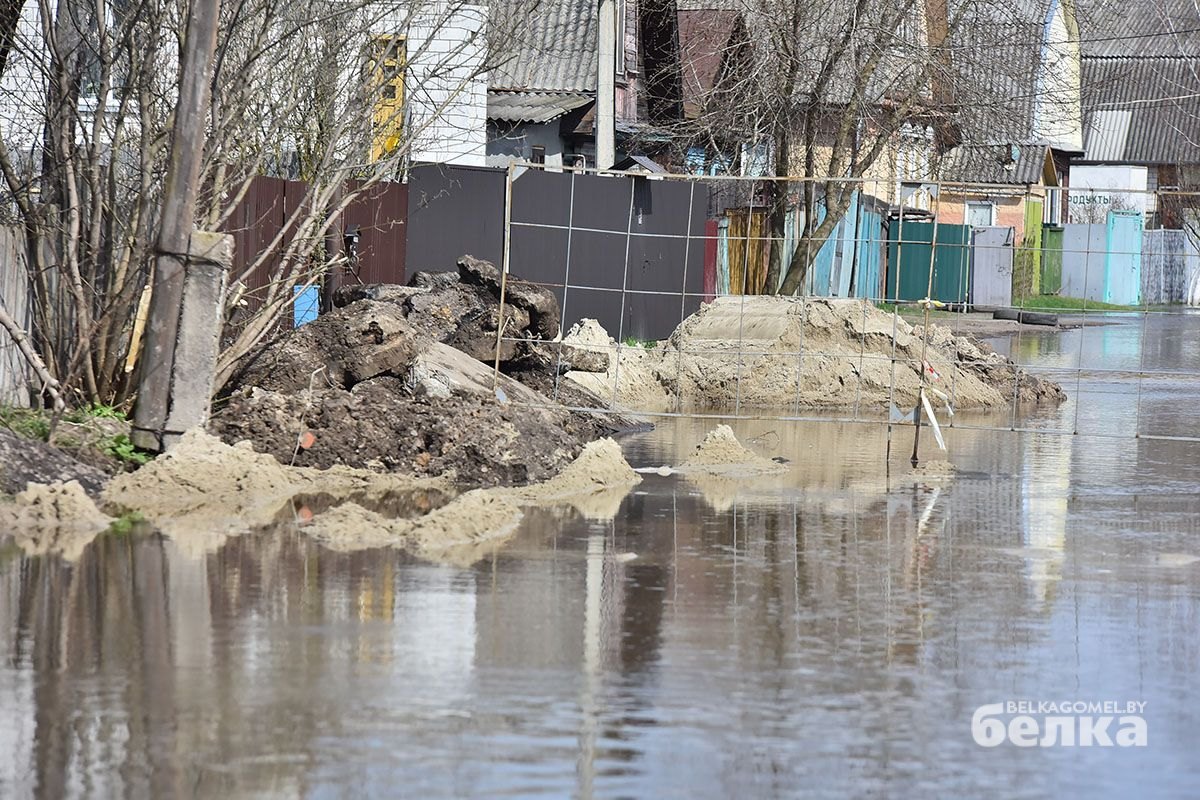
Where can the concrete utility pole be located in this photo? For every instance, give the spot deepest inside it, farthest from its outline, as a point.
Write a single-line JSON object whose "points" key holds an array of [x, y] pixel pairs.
{"points": [[179, 361], [606, 90]]}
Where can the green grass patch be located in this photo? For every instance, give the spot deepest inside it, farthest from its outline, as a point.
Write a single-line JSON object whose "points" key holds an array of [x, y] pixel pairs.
{"points": [[122, 449], [1052, 302], [26, 422], [633, 341], [125, 524]]}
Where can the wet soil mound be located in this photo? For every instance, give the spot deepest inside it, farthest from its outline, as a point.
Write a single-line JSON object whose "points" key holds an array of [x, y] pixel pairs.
{"points": [[24, 461], [720, 453], [54, 518]]}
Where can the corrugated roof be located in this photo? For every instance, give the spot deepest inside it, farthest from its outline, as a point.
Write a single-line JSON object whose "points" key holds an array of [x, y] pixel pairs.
{"points": [[533, 106], [1159, 96], [994, 163], [1117, 28], [549, 48]]}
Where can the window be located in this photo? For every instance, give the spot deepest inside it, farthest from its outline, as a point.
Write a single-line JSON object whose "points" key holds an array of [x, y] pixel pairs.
{"points": [[537, 154], [385, 87], [981, 214]]}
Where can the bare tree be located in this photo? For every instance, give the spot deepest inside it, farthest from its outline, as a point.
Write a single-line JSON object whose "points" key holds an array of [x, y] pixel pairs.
{"points": [[850, 92], [308, 89]]}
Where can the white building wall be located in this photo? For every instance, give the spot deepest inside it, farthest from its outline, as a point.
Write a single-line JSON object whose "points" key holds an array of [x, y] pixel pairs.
{"points": [[446, 88], [23, 89]]}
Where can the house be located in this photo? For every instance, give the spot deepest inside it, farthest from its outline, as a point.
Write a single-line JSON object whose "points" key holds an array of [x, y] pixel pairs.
{"points": [[541, 97], [1141, 110]]}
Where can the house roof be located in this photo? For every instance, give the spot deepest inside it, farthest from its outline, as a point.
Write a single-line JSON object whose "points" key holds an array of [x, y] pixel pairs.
{"points": [[1112, 29], [1141, 82], [995, 163], [1141, 110], [551, 48], [511, 106]]}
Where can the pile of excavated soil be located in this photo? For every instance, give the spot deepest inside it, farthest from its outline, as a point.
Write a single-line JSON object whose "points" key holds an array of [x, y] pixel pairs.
{"points": [[630, 380], [24, 461], [600, 467], [777, 352], [206, 487], [54, 518], [721, 453]]}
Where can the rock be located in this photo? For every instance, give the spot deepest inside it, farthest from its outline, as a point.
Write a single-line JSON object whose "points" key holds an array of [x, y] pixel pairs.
{"points": [[382, 292], [559, 358], [433, 280], [539, 302], [363, 340], [24, 461]]}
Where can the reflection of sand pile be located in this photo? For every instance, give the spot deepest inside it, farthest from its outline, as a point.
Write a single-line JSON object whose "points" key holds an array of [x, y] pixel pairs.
{"points": [[206, 487], [776, 352], [720, 453], [54, 518], [636, 384]]}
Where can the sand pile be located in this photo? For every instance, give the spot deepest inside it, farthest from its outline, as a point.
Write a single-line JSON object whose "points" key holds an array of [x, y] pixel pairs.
{"points": [[720, 453], [53, 518], [600, 467], [206, 487], [631, 379], [780, 353]]}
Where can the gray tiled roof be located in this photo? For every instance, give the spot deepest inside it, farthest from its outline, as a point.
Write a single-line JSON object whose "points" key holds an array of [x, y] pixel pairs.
{"points": [[993, 163], [532, 106], [1142, 110], [1118, 28], [552, 49]]}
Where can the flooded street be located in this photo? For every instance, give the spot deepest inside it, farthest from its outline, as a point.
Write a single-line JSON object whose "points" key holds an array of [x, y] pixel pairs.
{"points": [[829, 632]]}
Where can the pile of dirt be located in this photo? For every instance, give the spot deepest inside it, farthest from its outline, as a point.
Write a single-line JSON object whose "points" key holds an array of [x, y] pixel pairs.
{"points": [[777, 352], [400, 379], [628, 379], [53, 518], [599, 468], [24, 461], [720, 453]]}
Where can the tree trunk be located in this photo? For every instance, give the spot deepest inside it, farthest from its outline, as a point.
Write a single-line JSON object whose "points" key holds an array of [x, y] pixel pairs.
{"points": [[779, 204], [807, 250]]}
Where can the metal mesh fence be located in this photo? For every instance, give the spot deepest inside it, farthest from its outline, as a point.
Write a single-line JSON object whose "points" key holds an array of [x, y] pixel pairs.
{"points": [[891, 292]]}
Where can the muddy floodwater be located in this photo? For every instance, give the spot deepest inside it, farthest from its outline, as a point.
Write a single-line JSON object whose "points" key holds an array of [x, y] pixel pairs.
{"points": [[825, 633]]}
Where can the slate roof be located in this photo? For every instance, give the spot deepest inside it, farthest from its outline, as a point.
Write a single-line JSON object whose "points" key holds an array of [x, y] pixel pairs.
{"points": [[1141, 82], [533, 106], [993, 163], [551, 48]]}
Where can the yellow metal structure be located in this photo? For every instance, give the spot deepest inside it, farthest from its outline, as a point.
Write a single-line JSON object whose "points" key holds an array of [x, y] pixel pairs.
{"points": [[385, 84]]}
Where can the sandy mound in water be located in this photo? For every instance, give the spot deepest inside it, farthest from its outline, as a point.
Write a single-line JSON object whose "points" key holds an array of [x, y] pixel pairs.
{"points": [[721, 453], [447, 533], [630, 380], [206, 487], [778, 352], [469, 526], [54, 518]]}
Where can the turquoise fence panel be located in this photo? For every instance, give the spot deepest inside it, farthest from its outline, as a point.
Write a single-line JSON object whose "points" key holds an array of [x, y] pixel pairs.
{"points": [[843, 261], [868, 260], [1123, 260]]}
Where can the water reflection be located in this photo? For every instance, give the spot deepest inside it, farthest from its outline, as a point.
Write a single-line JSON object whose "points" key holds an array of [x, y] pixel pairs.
{"points": [[826, 632]]}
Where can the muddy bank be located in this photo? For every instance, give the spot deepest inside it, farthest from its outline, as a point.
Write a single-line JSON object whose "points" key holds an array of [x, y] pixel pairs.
{"points": [[24, 461], [778, 353]]}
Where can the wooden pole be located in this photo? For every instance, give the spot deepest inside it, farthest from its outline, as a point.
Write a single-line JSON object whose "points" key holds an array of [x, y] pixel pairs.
{"points": [[176, 224]]}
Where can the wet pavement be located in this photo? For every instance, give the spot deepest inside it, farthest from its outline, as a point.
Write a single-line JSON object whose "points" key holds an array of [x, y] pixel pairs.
{"points": [[826, 633]]}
